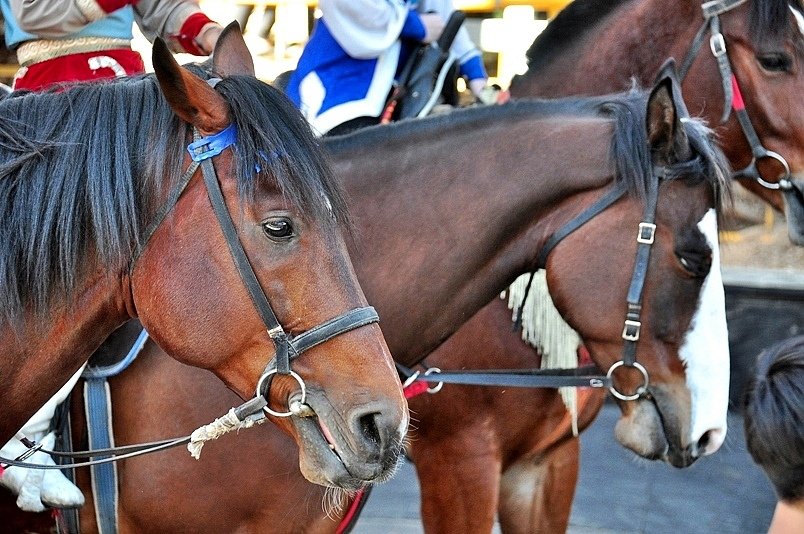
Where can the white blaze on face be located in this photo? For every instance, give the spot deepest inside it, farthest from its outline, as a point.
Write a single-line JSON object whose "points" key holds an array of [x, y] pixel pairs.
{"points": [[799, 18], [705, 351]]}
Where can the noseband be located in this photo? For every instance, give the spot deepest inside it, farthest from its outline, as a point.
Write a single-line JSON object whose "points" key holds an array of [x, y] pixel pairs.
{"points": [[733, 98], [287, 347]]}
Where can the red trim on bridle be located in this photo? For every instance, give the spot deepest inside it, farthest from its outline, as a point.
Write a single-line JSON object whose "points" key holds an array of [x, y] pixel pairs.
{"points": [[415, 388], [354, 509], [738, 104]]}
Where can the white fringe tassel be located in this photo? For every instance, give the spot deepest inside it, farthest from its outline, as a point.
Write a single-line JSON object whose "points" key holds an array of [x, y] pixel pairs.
{"points": [[544, 329], [214, 430]]}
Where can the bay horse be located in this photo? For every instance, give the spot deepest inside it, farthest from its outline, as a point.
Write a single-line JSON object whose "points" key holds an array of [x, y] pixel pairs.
{"points": [[111, 210], [751, 59], [594, 47], [436, 240]]}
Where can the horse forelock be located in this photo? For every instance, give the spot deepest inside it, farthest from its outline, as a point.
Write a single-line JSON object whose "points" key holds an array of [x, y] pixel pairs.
{"points": [[74, 168], [275, 140], [769, 21], [80, 166], [631, 154]]}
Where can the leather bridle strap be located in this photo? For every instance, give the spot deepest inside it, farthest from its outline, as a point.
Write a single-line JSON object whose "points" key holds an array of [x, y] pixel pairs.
{"points": [[733, 99], [286, 349], [645, 238], [586, 376], [247, 275]]}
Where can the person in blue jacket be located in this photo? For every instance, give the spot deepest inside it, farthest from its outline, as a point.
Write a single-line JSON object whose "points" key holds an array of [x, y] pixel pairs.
{"points": [[346, 71]]}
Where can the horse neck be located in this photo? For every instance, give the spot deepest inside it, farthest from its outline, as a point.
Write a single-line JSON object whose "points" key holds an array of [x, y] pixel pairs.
{"points": [[446, 221], [44, 352], [609, 55]]}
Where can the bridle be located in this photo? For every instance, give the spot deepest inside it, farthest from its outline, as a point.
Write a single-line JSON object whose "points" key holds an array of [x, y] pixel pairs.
{"points": [[202, 151], [733, 98], [582, 376], [287, 347]]}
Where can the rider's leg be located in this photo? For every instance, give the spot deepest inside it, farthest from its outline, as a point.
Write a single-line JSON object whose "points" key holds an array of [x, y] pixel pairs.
{"points": [[38, 488]]}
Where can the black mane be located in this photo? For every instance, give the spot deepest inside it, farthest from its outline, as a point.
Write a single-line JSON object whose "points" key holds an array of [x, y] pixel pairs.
{"points": [[567, 28], [81, 165], [769, 21]]}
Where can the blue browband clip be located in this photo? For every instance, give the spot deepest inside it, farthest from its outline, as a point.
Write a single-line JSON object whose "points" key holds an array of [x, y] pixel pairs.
{"points": [[207, 147]]}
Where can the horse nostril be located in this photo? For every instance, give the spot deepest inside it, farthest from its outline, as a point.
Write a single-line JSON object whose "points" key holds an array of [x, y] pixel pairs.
{"points": [[369, 429], [703, 442], [709, 442]]}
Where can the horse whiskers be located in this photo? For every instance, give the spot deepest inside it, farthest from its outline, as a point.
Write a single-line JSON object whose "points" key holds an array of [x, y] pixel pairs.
{"points": [[334, 500]]}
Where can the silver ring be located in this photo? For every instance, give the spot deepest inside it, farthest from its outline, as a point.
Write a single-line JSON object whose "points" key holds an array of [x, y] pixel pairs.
{"points": [[296, 377], [437, 387], [786, 177], [640, 390]]}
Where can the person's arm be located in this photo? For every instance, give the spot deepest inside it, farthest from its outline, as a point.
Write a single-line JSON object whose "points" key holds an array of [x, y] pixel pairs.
{"points": [[367, 28], [467, 54], [181, 23], [56, 18]]}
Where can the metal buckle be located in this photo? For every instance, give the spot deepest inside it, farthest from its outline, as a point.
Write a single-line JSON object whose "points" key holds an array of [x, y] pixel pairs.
{"points": [[647, 233], [631, 330], [276, 332], [717, 44]]}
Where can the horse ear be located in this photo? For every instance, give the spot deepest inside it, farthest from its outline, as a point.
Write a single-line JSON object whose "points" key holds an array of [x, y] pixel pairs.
{"points": [[191, 98], [668, 141], [231, 55]]}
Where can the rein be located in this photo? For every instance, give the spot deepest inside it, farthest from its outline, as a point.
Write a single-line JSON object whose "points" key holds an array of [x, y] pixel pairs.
{"points": [[733, 98]]}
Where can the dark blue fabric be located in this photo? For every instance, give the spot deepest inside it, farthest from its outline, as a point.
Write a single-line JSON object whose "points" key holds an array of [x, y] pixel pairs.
{"points": [[104, 476]]}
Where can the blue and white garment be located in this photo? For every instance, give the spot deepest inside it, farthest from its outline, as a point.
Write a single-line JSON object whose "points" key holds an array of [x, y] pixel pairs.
{"points": [[348, 66]]}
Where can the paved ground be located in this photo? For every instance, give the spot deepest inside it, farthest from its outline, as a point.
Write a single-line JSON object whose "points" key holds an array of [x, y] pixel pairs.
{"points": [[725, 493]]}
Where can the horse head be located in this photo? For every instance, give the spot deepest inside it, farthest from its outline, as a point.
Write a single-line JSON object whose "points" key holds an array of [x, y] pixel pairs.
{"points": [[191, 288], [757, 57], [669, 359]]}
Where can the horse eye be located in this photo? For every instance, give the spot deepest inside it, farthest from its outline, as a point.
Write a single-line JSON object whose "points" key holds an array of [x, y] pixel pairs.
{"points": [[778, 62], [278, 229], [695, 263]]}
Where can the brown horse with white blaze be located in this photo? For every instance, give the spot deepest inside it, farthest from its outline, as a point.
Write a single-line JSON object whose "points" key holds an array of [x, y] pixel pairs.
{"points": [[107, 217], [458, 238]]}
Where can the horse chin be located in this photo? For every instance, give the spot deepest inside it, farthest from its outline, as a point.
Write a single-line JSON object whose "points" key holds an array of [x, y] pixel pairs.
{"points": [[794, 210], [328, 458], [642, 430]]}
